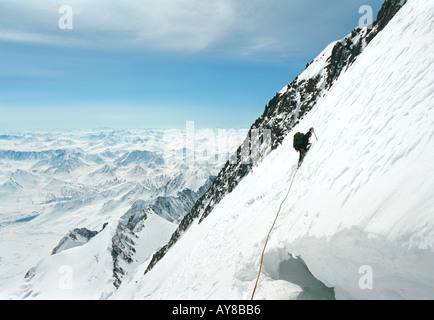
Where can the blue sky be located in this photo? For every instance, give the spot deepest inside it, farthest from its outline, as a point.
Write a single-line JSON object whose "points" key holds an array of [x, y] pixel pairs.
{"points": [[152, 63]]}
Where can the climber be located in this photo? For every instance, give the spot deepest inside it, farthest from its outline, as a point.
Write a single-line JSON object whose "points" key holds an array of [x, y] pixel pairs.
{"points": [[301, 143]]}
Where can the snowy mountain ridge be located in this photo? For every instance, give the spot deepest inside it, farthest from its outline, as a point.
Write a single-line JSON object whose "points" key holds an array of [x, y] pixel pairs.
{"points": [[359, 218], [283, 113]]}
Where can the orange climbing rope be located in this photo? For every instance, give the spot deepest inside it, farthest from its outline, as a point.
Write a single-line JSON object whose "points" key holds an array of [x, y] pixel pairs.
{"points": [[269, 233]]}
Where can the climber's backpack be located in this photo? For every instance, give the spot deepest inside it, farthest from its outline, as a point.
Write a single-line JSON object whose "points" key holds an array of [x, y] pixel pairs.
{"points": [[298, 140]]}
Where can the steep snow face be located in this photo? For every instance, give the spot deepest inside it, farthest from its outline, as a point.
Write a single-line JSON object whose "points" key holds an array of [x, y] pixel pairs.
{"points": [[360, 213], [282, 113]]}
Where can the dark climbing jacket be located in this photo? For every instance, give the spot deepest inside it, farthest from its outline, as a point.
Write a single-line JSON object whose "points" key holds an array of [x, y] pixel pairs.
{"points": [[301, 140]]}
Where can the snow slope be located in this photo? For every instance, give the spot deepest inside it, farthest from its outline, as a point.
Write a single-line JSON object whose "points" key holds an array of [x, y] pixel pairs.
{"points": [[71, 273], [360, 215], [86, 272]]}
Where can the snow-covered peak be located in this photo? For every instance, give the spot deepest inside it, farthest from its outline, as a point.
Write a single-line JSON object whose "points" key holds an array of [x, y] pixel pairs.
{"points": [[316, 68]]}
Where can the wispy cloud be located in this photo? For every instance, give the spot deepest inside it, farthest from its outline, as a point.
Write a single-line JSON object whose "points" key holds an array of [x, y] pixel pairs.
{"points": [[237, 27], [38, 38], [157, 62], [173, 25]]}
